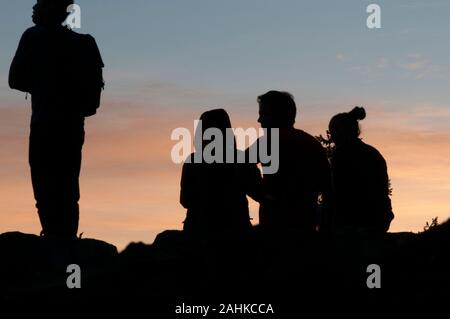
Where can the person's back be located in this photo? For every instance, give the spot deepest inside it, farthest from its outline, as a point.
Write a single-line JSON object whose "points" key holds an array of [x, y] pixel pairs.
{"points": [[291, 194], [214, 194], [360, 178], [215, 197], [362, 187], [48, 63]]}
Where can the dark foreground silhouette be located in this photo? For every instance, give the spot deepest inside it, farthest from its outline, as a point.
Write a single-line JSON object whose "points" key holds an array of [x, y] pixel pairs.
{"points": [[62, 70], [290, 195], [310, 270], [360, 178], [215, 195]]}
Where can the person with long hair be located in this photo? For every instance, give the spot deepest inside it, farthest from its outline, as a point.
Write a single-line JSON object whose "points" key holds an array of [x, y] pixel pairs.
{"points": [[214, 193]]}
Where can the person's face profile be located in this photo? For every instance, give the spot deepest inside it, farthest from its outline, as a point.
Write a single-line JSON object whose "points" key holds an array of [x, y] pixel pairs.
{"points": [[37, 8], [264, 116]]}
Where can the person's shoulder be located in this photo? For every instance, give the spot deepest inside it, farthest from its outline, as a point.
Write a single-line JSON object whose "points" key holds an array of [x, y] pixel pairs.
{"points": [[305, 135], [87, 45], [369, 148], [308, 138], [32, 32], [85, 37], [33, 36], [371, 151]]}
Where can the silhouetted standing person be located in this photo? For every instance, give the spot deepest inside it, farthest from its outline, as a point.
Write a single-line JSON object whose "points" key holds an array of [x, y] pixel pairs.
{"points": [[62, 70], [291, 195], [215, 193], [360, 177]]}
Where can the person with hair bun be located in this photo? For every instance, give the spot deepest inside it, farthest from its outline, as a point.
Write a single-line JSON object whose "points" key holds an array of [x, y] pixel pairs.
{"points": [[360, 178]]}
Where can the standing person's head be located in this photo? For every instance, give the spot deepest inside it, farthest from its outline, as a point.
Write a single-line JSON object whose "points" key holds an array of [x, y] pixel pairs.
{"points": [[50, 12], [344, 127], [276, 110]]}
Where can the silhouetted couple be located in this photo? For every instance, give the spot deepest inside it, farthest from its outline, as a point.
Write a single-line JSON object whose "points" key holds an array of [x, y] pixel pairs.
{"points": [[305, 194], [62, 70]]}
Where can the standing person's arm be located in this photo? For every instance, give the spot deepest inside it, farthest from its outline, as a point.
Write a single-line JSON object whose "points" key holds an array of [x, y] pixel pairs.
{"points": [[20, 73]]}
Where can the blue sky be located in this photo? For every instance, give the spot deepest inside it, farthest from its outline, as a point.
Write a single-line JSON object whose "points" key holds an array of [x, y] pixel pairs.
{"points": [[317, 49]]}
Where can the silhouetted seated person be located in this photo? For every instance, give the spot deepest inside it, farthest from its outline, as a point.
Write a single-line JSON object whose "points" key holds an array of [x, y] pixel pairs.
{"points": [[215, 193], [360, 178], [291, 195], [62, 70]]}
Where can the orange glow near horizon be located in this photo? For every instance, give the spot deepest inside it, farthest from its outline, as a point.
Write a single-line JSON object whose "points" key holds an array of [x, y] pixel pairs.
{"points": [[130, 187]]}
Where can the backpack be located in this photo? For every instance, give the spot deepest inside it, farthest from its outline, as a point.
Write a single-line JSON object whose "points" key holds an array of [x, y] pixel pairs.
{"points": [[87, 75]]}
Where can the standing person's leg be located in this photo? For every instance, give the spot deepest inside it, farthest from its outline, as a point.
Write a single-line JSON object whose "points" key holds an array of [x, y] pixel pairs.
{"points": [[39, 166], [55, 161], [67, 194], [42, 176]]}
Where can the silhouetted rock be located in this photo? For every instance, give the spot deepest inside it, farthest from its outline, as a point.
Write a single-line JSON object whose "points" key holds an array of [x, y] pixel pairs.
{"points": [[260, 268], [37, 266]]}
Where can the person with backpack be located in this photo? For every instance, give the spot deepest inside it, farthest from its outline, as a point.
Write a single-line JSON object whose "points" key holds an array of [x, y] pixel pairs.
{"points": [[62, 70]]}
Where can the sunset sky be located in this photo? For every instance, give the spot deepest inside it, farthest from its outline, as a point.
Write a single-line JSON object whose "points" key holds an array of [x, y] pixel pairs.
{"points": [[168, 61]]}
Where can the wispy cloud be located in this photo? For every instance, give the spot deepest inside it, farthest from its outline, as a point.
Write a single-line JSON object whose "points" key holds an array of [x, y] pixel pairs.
{"points": [[413, 65], [340, 57], [374, 68], [420, 67], [416, 65]]}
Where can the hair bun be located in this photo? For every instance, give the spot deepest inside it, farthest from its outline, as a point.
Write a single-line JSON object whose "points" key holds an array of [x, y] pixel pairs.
{"points": [[358, 113]]}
